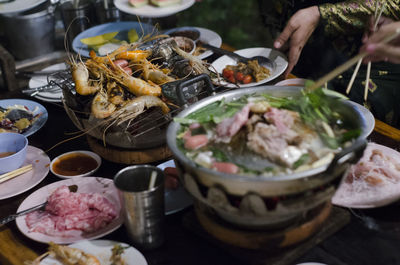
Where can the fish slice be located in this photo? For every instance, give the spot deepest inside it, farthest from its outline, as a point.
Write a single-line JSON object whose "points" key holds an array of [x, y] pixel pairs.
{"points": [[12, 217]]}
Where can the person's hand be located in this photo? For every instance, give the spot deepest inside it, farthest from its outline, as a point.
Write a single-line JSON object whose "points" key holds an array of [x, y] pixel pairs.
{"points": [[379, 51], [298, 29], [371, 26]]}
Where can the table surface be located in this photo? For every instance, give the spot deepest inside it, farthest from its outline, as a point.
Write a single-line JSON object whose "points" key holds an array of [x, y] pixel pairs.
{"points": [[371, 236]]}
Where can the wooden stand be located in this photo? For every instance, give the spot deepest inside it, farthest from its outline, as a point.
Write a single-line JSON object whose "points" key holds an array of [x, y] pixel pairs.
{"points": [[126, 156], [264, 239]]}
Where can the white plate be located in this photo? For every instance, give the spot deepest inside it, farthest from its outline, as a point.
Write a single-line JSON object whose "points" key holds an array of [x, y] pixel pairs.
{"points": [[360, 194], [34, 107], [40, 163], [206, 36], [101, 249], [177, 199], [41, 80], [278, 58], [102, 186], [369, 119], [19, 6], [152, 11]]}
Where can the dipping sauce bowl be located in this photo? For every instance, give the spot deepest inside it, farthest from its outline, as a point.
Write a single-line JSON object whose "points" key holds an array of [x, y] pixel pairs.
{"points": [[12, 151], [75, 164]]}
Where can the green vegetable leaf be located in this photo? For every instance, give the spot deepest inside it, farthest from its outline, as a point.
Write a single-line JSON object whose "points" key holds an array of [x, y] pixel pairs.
{"points": [[301, 161]]}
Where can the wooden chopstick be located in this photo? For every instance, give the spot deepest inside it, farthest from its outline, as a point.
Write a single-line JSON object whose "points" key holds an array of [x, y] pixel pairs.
{"points": [[340, 69], [14, 173]]}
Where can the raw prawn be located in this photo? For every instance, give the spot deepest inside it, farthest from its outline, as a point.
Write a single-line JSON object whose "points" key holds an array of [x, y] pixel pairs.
{"points": [[80, 75], [67, 255], [101, 107], [136, 106], [152, 73]]}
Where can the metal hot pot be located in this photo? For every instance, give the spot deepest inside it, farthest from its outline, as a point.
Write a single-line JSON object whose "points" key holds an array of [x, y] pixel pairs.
{"points": [[265, 202]]}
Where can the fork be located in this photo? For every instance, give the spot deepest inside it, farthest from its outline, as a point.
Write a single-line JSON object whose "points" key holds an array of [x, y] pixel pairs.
{"points": [[260, 59]]}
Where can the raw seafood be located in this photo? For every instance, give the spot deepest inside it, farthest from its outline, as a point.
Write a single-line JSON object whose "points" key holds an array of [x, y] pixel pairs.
{"points": [[373, 181], [68, 213]]}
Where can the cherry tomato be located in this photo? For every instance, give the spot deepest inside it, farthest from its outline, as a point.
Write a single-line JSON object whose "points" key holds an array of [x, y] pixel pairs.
{"points": [[227, 73], [247, 79], [232, 79], [239, 76]]}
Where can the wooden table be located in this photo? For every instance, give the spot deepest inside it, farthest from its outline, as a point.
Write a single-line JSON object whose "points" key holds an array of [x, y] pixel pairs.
{"points": [[369, 239]]}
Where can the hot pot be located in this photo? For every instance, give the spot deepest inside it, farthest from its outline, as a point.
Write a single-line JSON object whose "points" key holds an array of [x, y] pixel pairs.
{"points": [[265, 202]]}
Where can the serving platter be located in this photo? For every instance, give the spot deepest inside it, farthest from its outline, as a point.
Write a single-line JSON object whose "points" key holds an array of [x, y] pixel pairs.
{"points": [[41, 80], [17, 6], [101, 249], [142, 29], [278, 59], [40, 164], [102, 186], [152, 11], [33, 106]]}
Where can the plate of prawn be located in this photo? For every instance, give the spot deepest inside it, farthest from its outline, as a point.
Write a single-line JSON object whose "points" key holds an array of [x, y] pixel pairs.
{"points": [[92, 252], [142, 29]]}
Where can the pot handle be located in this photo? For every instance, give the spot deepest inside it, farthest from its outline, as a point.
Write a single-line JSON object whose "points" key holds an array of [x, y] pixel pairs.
{"points": [[357, 148], [202, 77]]}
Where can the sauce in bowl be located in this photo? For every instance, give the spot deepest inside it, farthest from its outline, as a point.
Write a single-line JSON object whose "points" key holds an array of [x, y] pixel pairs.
{"points": [[74, 164], [5, 154]]}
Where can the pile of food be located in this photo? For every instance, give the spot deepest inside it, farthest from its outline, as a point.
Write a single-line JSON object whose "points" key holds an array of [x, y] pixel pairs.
{"points": [[374, 181], [264, 135], [68, 213], [17, 118], [117, 88], [245, 73]]}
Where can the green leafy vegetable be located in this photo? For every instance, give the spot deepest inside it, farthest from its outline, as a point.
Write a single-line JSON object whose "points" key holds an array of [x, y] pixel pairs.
{"points": [[301, 161]]}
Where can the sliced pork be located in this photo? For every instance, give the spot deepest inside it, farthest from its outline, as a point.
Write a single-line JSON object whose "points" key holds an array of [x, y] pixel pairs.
{"points": [[68, 213], [230, 126]]}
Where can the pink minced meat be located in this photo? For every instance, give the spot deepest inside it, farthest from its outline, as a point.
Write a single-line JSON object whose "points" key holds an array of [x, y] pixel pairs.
{"points": [[68, 212]]}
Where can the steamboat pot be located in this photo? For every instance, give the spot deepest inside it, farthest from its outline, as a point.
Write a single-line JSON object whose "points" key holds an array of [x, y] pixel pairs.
{"points": [[261, 201]]}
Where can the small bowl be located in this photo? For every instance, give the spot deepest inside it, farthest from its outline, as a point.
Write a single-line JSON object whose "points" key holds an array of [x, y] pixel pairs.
{"points": [[73, 164], [188, 32], [15, 145], [186, 44]]}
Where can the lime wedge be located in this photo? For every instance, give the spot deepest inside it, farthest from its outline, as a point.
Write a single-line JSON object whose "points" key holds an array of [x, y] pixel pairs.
{"points": [[132, 36], [99, 39]]}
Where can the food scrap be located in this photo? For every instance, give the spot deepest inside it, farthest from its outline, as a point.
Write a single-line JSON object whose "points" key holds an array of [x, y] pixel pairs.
{"points": [[17, 118], [116, 255]]}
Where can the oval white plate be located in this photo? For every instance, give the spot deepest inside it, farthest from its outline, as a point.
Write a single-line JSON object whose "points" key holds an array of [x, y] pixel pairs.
{"points": [[102, 186], [101, 249], [34, 107], [89, 153], [152, 11], [278, 58], [41, 80], [40, 163], [177, 199]]}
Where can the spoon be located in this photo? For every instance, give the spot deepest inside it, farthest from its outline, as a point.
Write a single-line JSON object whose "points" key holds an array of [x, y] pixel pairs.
{"points": [[11, 217], [261, 59]]}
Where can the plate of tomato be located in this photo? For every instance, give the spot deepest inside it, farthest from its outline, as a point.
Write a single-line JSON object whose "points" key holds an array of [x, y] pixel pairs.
{"points": [[236, 74]]}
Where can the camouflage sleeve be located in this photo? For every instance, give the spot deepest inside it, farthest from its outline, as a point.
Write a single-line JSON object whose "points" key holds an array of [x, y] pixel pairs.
{"points": [[349, 17]]}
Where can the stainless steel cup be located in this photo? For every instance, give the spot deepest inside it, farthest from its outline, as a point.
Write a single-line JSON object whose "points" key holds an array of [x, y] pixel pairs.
{"points": [[143, 207]]}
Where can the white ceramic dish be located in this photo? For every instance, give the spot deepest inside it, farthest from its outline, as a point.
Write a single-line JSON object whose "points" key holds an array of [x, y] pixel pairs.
{"points": [[40, 163], [34, 107], [177, 199], [101, 249], [152, 11], [91, 154], [278, 58], [102, 186], [37, 81], [19, 6]]}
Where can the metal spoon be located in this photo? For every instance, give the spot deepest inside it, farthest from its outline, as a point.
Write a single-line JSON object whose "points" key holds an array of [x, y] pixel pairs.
{"points": [[261, 59], [12, 217]]}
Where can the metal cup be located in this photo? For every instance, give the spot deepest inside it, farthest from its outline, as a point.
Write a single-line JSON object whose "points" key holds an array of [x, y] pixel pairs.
{"points": [[143, 207]]}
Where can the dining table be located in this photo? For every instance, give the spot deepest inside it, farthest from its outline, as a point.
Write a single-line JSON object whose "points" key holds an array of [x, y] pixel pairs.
{"points": [[350, 236]]}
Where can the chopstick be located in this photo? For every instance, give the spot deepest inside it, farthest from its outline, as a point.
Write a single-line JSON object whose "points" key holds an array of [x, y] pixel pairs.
{"points": [[14, 173], [340, 69]]}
